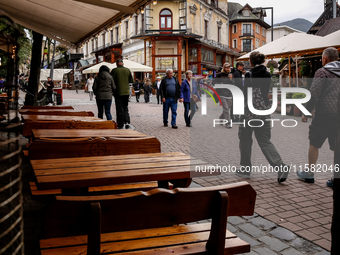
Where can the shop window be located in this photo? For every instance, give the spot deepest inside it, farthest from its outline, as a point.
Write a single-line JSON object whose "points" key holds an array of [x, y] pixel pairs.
{"points": [[192, 55], [207, 55]]}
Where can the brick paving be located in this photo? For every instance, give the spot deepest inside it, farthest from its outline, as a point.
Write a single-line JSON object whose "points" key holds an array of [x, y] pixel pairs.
{"points": [[300, 208]]}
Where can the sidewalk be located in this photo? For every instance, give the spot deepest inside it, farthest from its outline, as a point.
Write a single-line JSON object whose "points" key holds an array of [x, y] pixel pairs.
{"points": [[291, 218]]}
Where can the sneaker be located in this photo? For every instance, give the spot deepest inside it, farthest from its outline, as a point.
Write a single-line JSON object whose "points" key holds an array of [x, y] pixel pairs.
{"points": [[283, 174], [228, 126], [306, 176], [243, 173], [330, 183], [127, 126], [174, 126], [166, 125]]}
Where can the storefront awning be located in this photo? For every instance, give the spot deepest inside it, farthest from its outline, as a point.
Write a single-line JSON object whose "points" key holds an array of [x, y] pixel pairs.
{"points": [[68, 21]]}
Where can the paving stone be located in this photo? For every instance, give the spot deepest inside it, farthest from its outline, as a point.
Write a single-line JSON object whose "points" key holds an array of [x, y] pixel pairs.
{"points": [[231, 228], [250, 217], [251, 253], [263, 223], [305, 246], [324, 253], [235, 220], [283, 233], [273, 243], [291, 251], [265, 251], [248, 239], [252, 230]]}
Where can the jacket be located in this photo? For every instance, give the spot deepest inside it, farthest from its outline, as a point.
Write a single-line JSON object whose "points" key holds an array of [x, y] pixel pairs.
{"points": [[122, 77], [103, 86], [325, 89], [162, 87], [51, 83], [261, 78], [185, 90], [222, 78]]}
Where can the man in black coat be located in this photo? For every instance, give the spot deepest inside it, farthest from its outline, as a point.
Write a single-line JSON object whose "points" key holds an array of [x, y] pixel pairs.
{"points": [[239, 83]]}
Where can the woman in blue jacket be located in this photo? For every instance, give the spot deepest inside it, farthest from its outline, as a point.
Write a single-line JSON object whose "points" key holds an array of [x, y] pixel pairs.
{"points": [[190, 95]]}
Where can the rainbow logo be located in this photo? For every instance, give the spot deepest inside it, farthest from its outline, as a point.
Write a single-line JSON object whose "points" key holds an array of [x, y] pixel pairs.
{"points": [[211, 95]]}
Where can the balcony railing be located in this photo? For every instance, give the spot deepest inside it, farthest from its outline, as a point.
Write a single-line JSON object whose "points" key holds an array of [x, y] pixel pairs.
{"points": [[247, 32], [216, 44], [247, 48]]}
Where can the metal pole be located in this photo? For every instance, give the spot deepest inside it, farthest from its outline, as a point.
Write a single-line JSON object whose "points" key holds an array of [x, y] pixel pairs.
{"points": [[272, 23], [52, 65]]}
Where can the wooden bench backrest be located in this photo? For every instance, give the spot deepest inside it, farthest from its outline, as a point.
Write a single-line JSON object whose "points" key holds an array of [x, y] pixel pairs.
{"points": [[58, 113], [88, 147], [68, 216], [108, 124], [46, 107], [29, 125]]}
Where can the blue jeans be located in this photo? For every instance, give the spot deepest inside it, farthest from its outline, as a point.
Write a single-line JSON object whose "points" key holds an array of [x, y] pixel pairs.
{"points": [[101, 104], [170, 103]]}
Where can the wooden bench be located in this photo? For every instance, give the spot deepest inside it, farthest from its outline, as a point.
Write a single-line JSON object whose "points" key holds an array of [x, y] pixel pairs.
{"points": [[88, 147], [141, 223], [66, 124], [57, 113], [59, 107]]}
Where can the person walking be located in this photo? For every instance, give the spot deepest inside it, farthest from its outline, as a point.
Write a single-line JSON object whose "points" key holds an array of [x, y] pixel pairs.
{"points": [[76, 84], [49, 85], [147, 90], [89, 86], [324, 97], [225, 77], [136, 88], [170, 94], [239, 83], [103, 88], [190, 95], [122, 77], [259, 79], [156, 86]]}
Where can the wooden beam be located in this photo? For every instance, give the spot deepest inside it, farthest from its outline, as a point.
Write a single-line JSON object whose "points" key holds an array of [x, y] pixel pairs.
{"points": [[289, 71], [109, 5]]}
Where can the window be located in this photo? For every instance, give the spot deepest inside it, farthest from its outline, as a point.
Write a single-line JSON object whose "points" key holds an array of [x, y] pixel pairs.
{"points": [[246, 45], [97, 43], [165, 20], [117, 34], [136, 25], [264, 31], [257, 42], [111, 36], [207, 55], [92, 44], [218, 34], [142, 15], [263, 43], [103, 36], [246, 13], [246, 29], [258, 29], [234, 29], [87, 48], [235, 43], [126, 29], [205, 29]]}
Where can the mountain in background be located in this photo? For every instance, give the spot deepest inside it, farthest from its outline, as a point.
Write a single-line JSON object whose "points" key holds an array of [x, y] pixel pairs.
{"points": [[299, 24]]}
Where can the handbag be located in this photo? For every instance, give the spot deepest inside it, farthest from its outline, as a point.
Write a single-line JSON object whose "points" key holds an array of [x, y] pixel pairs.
{"points": [[195, 98], [258, 102]]}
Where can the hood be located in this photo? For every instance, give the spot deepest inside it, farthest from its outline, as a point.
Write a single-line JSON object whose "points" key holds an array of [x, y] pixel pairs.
{"points": [[104, 75], [259, 70], [333, 67]]}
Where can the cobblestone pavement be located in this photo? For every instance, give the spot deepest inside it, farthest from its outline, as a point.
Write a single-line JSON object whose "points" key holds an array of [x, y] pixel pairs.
{"points": [[291, 218]]}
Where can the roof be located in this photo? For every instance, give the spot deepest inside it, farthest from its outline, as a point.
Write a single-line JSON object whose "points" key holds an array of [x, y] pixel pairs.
{"points": [[326, 15], [69, 21], [287, 28], [329, 27], [235, 14]]}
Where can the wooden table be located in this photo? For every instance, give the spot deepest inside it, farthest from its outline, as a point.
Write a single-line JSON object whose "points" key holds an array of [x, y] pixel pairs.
{"points": [[81, 133], [55, 118], [4, 95], [75, 175]]}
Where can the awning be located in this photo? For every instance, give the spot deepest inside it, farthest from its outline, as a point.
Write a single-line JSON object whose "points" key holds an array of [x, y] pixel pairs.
{"points": [[58, 74], [69, 20], [133, 66]]}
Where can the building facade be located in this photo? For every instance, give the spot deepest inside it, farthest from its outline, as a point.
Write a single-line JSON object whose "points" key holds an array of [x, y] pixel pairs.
{"points": [[181, 35], [280, 31], [248, 30]]}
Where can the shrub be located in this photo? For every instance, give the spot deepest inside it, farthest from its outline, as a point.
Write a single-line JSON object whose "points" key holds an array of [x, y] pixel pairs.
{"points": [[272, 63]]}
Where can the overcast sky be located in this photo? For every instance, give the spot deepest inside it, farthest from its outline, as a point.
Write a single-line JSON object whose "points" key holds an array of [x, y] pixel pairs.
{"points": [[288, 9]]}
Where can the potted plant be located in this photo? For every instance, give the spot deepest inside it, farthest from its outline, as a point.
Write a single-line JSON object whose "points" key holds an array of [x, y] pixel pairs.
{"points": [[297, 112]]}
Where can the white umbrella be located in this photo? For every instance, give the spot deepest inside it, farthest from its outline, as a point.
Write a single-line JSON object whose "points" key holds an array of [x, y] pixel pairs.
{"points": [[58, 74], [95, 68], [134, 66]]}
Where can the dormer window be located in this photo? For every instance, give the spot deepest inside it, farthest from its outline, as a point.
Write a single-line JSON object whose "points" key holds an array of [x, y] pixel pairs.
{"points": [[246, 13]]}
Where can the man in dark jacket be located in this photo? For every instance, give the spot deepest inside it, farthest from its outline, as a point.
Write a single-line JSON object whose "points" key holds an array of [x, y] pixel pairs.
{"points": [[170, 93], [122, 77], [324, 97], [239, 83], [49, 85]]}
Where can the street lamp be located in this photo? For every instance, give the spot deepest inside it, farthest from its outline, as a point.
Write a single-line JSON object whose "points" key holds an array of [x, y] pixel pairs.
{"points": [[271, 8]]}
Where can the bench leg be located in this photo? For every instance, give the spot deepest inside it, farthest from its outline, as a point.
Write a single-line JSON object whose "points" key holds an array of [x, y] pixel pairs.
{"points": [[163, 184]]}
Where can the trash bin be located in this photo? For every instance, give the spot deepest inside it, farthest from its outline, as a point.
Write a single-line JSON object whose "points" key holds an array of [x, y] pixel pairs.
{"points": [[59, 92], [58, 99]]}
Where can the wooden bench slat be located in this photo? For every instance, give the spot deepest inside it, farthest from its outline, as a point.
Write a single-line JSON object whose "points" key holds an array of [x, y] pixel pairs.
{"points": [[47, 107], [56, 113], [65, 168], [112, 158], [152, 243]]}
